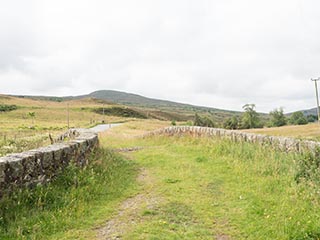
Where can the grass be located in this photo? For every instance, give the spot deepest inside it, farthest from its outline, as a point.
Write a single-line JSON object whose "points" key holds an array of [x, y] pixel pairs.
{"points": [[19, 131], [235, 190], [51, 116], [209, 189], [69, 206], [309, 131], [218, 188], [15, 145]]}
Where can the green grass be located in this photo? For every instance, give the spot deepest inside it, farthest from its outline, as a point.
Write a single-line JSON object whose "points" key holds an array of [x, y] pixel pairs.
{"points": [[215, 188], [204, 189], [69, 206]]}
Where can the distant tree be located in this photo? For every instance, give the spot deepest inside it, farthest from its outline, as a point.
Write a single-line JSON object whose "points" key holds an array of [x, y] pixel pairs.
{"points": [[312, 118], [203, 121], [278, 118], [297, 118], [173, 123], [207, 122], [250, 118], [231, 123], [197, 120]]}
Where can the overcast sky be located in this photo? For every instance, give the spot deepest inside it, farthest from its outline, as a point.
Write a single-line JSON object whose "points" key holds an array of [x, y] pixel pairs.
{"points": [[217, 53]]}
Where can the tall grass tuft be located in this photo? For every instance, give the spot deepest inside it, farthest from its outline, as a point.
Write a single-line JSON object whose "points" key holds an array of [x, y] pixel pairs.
{"points": [[67, 202]]}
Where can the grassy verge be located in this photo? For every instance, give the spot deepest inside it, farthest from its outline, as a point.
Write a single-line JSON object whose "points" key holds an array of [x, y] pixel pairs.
{"points": [[225, 190], [69, 206]]}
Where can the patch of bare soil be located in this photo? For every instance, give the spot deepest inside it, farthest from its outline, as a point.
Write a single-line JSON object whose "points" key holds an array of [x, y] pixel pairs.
{"points": [[130, 211], [129, 149], [222, 237]]}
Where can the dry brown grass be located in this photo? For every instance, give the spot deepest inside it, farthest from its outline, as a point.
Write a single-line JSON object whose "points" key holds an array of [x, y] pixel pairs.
{"points": [[50, 116], [119, 136], [49, 113], [309, 131]]}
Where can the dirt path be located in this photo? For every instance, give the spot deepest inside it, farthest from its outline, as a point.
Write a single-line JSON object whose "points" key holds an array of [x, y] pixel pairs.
{"points": [[130, 211]]}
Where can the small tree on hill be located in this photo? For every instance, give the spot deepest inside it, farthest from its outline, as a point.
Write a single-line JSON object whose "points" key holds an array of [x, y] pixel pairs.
{"points": [[250, 118], [297, 118], [278, 118]]}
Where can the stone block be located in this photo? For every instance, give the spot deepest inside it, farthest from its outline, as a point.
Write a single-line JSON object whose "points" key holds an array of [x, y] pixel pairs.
{"points": [[14, 172], [47, 160], [3, 165], [29, 165]]}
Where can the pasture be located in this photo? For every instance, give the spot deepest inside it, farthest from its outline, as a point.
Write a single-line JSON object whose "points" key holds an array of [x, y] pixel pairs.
{"points": [[172, 188], [29, 126]]}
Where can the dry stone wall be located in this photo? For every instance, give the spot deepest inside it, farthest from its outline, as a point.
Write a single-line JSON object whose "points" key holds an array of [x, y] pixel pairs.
{"points": [[281, 143], [40, 165]]}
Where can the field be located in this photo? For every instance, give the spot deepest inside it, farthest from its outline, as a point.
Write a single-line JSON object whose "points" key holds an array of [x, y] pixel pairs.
{"points": [[172, 188], [20, 131], [310, 131]]}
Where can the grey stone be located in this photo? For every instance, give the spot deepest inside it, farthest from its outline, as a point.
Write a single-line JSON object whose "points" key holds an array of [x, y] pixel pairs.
{"points": [[15, 171], [3, 163]]}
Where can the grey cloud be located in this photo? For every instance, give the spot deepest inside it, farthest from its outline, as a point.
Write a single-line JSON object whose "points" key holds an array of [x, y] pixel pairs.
{"points": [[216, 53]]}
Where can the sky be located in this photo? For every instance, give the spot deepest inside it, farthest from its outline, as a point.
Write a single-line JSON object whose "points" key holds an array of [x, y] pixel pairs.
{"points": [[216, 53]]}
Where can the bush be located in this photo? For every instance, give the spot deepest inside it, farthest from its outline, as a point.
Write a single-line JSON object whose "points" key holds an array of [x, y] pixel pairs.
{"points": [[231, 123], [308, 169], [7, 108], [312, 118], [120, 112], [297, 118], [203, 121]]}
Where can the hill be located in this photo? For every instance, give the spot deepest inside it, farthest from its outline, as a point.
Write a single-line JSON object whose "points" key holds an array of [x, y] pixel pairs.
{"points": [[312, 111], [153, 108], [136, 100]]}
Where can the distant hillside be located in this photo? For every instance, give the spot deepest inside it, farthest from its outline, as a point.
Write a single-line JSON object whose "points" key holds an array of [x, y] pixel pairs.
{"points": [[306, 112], [136, 100], [312, 111], [154, 108]]}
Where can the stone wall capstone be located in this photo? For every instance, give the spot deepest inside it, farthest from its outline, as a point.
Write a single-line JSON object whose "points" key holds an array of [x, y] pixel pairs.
{"points": [[38, 166]]}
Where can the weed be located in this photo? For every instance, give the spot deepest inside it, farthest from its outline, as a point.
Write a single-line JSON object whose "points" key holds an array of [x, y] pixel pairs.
{"points": [[308, 168], [71, 200], [7, 108], [170, 180], [238, 190]]}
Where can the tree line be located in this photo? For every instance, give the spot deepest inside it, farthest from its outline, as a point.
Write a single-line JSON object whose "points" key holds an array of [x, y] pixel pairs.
{"points": [[250, 118]]}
